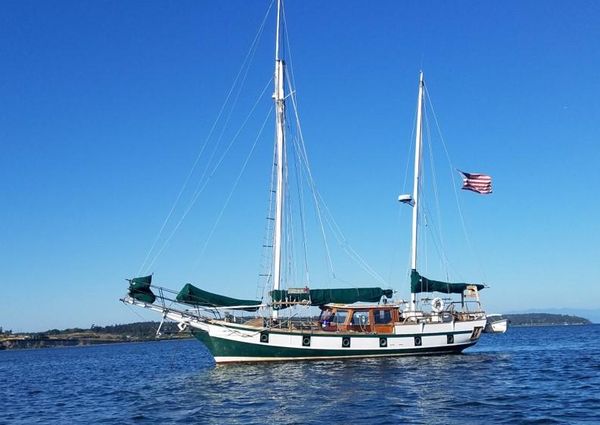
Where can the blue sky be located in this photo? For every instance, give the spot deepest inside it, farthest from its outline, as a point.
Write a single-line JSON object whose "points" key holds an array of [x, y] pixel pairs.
{"points": [[105, 105]]}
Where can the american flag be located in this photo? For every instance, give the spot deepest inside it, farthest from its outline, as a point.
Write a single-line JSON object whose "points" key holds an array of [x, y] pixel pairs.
{"points": [[480, 183]]}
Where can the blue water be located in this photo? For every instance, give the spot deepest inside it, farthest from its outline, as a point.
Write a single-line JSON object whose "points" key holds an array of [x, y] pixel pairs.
{"points": [[538, 375]]}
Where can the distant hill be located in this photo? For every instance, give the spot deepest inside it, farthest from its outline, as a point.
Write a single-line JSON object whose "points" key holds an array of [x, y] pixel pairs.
{"points": [[544, 319], [592, 314], [137, 330]]}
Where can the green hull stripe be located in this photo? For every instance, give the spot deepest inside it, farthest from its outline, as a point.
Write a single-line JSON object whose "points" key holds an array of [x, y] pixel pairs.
{"points": [[220, 347]]}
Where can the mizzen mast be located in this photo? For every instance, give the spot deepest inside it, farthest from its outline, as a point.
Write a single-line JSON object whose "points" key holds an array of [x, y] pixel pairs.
{"points": [[417, 176], [279, 98]]}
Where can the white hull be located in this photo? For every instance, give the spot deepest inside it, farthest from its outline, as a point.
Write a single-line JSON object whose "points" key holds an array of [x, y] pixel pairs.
{"points": [[251, 344]]}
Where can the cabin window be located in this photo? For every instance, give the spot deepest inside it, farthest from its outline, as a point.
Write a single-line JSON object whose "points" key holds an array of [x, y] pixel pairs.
{"points": [[383, 317], [360, 318], [340, 317]]}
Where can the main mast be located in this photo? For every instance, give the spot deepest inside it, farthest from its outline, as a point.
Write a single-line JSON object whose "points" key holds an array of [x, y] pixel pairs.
{"points": [[415, 217], [279, 98]]}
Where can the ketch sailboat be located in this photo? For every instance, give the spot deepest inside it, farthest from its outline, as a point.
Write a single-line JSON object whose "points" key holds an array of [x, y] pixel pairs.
{"points": [[353, 322]]}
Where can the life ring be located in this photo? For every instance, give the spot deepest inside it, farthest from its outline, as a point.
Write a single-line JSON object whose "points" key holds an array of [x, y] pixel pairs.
{"points": [[437, 305]]}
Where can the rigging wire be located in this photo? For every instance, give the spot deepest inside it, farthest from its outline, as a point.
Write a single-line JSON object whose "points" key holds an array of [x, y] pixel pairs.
{"points": [[288, 233], [434, 233], [401, 209], [454, 185], [442, 253], [267, 258], [298, 171], [235, 184], [295, 143], [410, 154], [245, 63], [207, 180], [304, 159], [343, 241], [320, 205], [422, 217], [430, 224]]}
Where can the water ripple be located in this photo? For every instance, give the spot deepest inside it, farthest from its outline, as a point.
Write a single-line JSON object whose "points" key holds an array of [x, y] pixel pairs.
{"points": [[528, 376]]}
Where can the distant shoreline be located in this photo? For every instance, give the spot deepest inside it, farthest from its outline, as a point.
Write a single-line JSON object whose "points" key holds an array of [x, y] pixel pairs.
{"points": [[544, 319], [146, 332], [34, 344], [539, 325], [95, 335]]}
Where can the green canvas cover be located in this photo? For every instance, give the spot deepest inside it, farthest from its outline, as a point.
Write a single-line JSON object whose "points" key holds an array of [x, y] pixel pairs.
{"points": [[189, 294], [139, 288], [420, 283], [319, 297]]}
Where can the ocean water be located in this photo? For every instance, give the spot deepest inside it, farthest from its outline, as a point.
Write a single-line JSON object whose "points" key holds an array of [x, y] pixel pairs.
{"points": [[543, 375]]}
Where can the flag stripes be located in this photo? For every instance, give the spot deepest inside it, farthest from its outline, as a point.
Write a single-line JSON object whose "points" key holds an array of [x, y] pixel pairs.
{"points": [[480, 183]]}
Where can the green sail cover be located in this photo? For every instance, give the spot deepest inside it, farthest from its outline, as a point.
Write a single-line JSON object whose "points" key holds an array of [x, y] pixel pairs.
{"points": [[318, 297], [189, 294], [139, 288], [420, 283]]}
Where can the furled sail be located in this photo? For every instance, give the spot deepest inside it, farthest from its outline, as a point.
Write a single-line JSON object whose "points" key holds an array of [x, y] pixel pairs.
{"points": [[285, 298], [189, 294], [139, 288], [420, 283]]}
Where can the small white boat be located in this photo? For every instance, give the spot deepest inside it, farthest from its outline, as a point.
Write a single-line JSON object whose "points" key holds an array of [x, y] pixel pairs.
{"points": [[495, 324]]}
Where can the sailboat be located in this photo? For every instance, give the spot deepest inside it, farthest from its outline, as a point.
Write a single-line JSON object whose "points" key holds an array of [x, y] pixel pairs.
{"points": [[353, 322]]}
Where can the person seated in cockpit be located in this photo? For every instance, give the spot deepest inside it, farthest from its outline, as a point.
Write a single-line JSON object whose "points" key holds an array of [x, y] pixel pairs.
{"points": [[326, 319]]}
